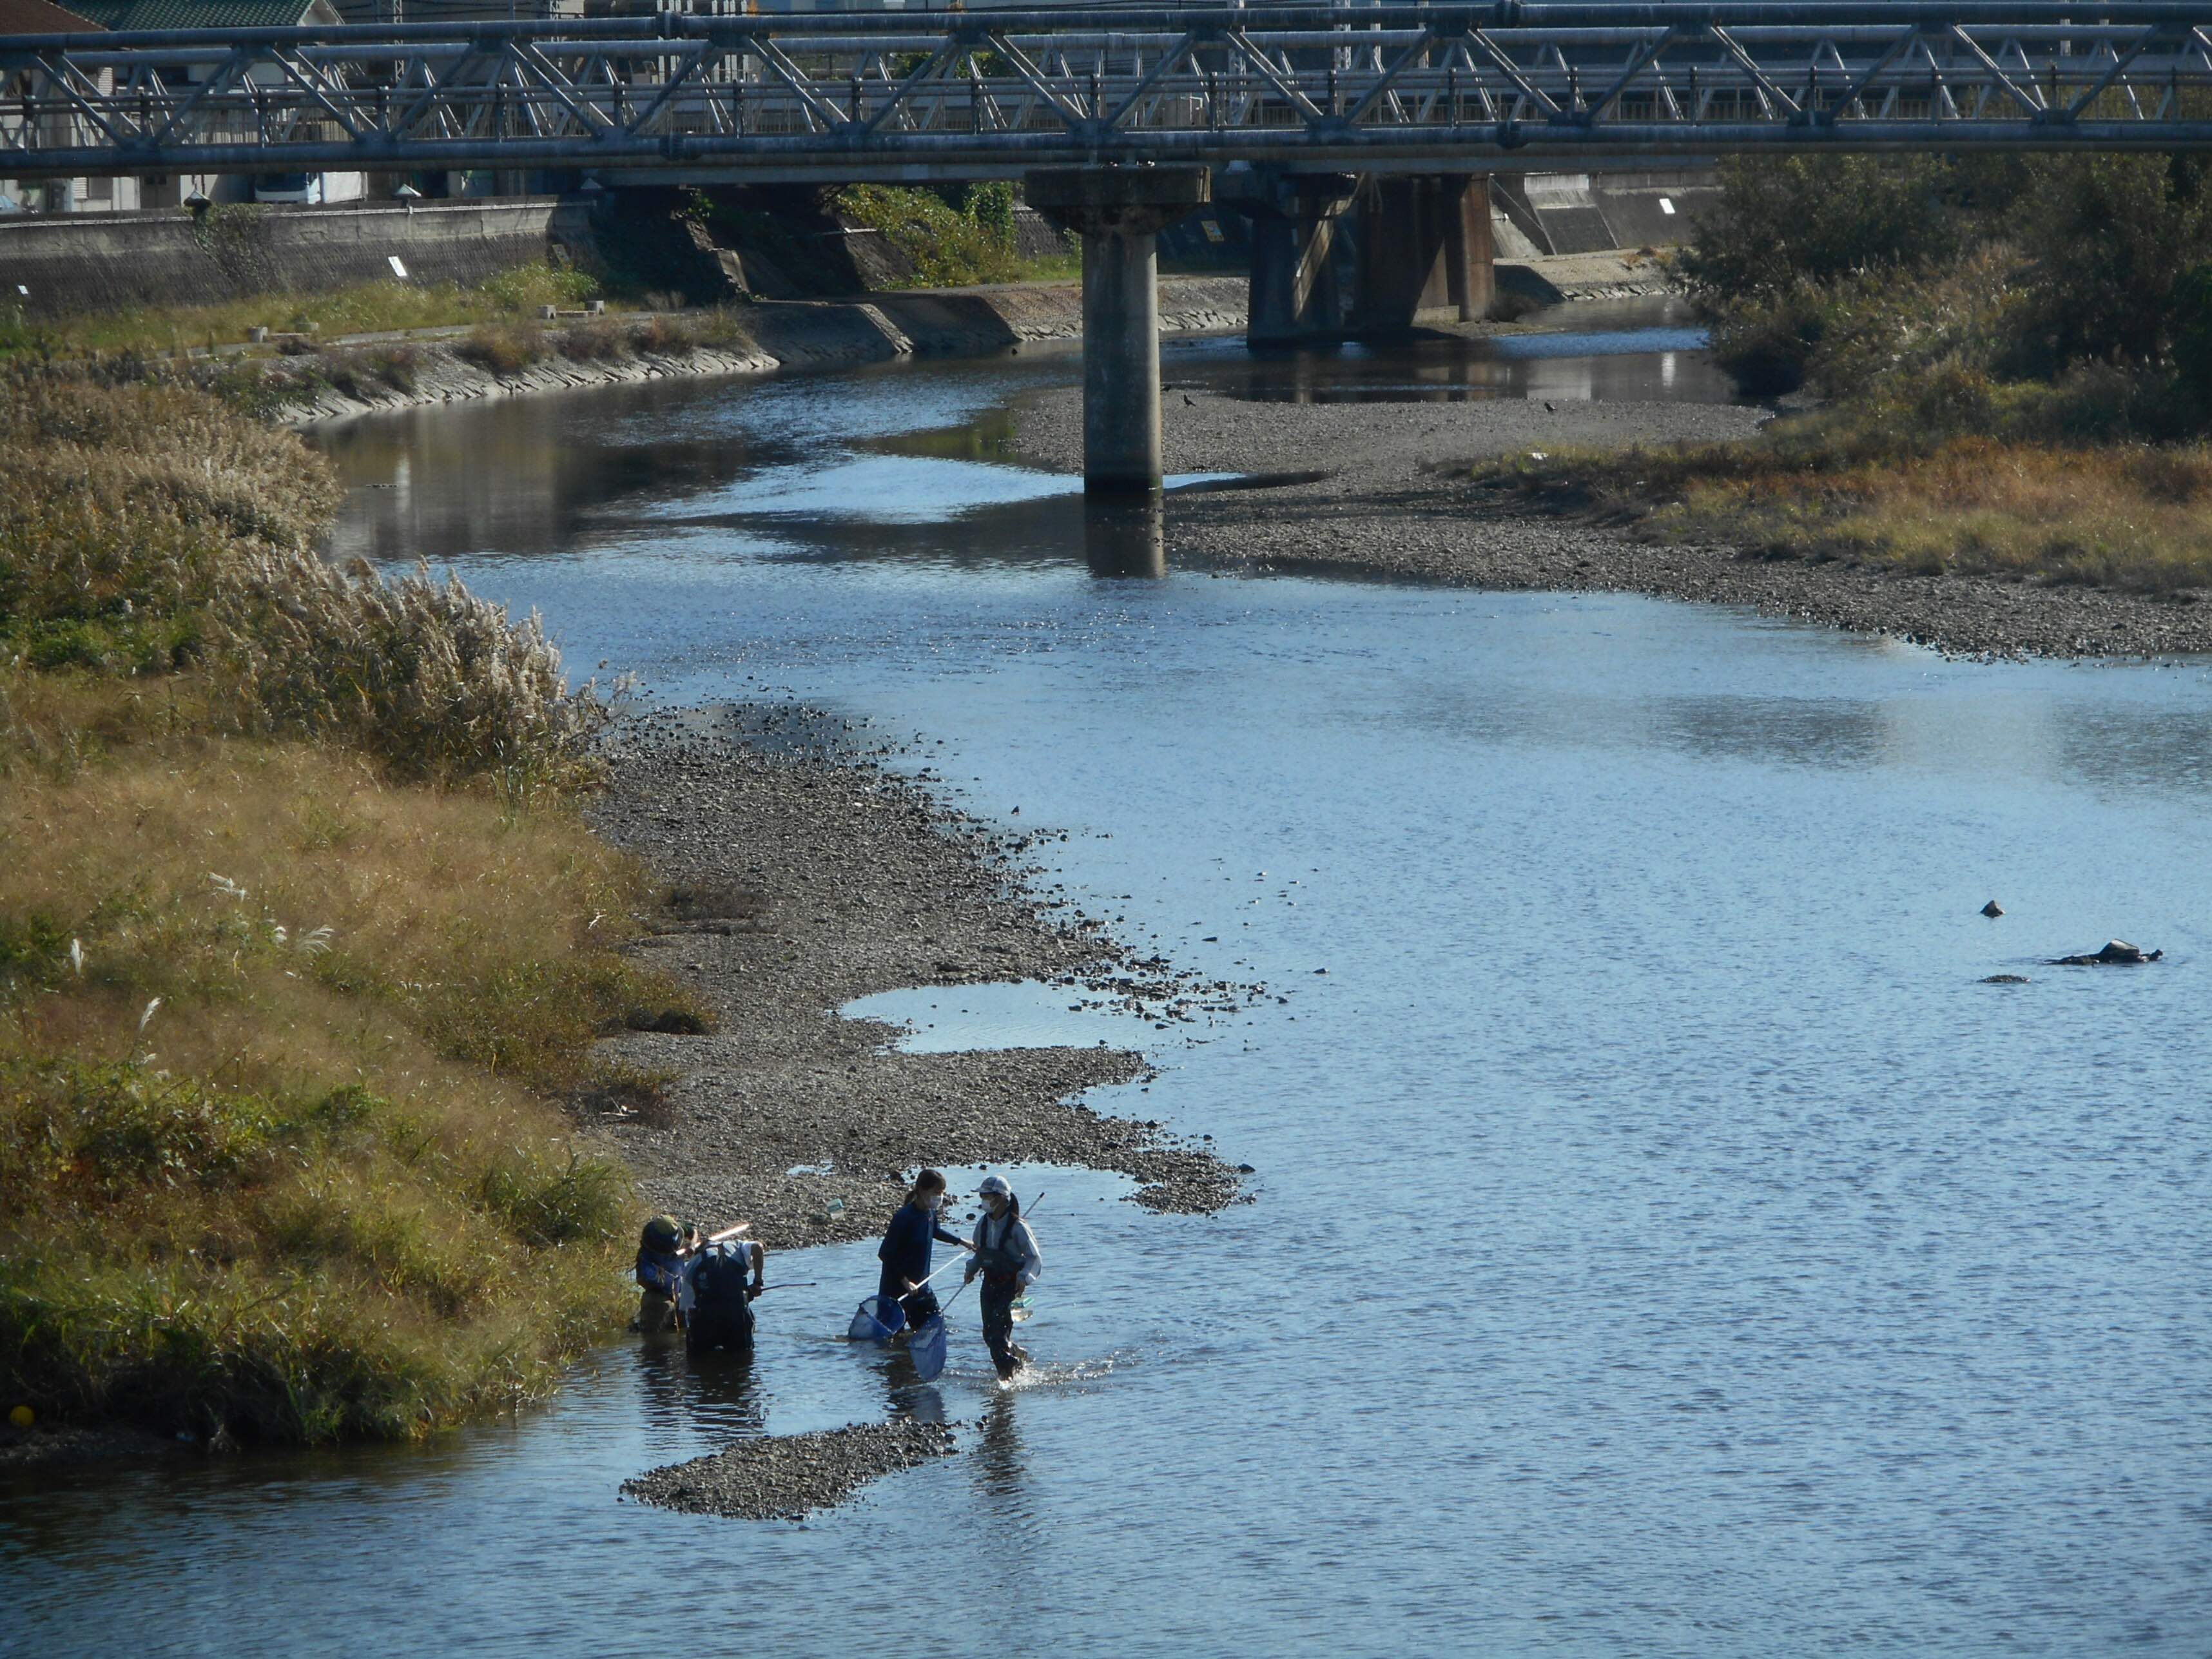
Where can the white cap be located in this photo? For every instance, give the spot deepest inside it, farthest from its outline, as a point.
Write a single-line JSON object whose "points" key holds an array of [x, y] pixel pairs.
{"points": [[993, 1184]]}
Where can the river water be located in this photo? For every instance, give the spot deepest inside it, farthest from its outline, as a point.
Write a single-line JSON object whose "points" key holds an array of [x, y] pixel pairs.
{"points": [[1663, 1242]]}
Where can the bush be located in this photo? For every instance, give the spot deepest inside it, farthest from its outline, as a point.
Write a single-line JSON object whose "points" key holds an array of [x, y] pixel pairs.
{"points": [[118, 553], [1781, 224], [503, 348], [946, 246], [666, 336], [591, 342]]}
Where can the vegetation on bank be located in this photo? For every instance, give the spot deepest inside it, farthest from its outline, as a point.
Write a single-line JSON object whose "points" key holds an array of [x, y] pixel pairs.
{"points": [[2010, 362], [949, 242], [365, 308], [301, 933]]}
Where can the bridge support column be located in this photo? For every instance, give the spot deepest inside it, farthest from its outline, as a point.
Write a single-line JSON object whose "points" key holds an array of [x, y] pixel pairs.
{"points": [[1424, 244], [1119, 212], [1293, 293]]}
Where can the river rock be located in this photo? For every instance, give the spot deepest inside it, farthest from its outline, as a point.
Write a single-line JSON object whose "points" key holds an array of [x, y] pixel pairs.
{"points": [[2117, 952]]}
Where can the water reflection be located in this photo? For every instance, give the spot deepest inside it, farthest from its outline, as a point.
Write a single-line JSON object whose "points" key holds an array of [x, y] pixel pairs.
{"points": [[904, 462], [1000, 1464], [1125, 536], [717, 1393], [1645, 349]]}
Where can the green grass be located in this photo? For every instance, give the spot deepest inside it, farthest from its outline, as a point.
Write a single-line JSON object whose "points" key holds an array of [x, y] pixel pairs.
{"points": [[947, 246]]}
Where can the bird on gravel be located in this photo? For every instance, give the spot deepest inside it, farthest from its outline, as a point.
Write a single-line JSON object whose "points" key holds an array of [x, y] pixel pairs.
{"points": [[1187, 401], [1548, 409]]}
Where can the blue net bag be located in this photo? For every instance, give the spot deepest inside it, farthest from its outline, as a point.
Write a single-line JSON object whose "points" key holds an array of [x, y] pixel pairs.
{"points": [[926, 1347], [876, 1320]]}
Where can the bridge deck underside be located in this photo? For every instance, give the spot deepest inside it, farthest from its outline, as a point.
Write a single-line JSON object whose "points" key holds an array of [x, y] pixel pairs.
{"points": [[979, 93]]}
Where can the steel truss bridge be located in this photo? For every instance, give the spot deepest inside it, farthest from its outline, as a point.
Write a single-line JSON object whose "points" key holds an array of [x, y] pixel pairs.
{"points": [[983, 92]]}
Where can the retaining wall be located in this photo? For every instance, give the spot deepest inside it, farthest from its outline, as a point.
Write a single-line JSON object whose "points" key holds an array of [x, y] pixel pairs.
{"points": [[87, 262]]}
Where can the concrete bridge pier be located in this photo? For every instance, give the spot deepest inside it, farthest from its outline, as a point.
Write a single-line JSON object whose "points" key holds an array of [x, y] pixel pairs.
{"points": [[1119, 212], [1424, 245], [1293, 294]]}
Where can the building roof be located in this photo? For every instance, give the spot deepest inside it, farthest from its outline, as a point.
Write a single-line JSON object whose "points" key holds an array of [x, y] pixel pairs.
{"points": [[129, 15], [42, 17]]}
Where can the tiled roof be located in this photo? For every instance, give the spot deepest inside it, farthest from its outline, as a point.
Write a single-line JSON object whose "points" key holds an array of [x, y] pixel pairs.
{"points": [[38, 17], [194, 14]]}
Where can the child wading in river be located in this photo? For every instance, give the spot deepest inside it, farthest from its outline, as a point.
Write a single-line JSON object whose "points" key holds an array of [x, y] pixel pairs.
{"points": [[1006, 1255], [905, 1251]]}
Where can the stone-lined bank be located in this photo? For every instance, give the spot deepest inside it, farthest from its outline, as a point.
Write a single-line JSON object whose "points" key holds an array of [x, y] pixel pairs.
{"points": [[753, 339]]}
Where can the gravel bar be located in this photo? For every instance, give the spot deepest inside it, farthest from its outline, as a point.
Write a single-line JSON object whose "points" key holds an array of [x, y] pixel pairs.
{"points": [[1396, 500], [787, 1477], [807, 874]]}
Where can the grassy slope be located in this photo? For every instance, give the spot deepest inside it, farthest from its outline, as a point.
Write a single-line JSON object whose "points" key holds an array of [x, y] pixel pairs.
{"points": [[300, 933]]}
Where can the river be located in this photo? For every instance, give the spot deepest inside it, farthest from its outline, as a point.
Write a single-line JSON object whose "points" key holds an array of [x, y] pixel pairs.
{"points": [[1663, 1240]]}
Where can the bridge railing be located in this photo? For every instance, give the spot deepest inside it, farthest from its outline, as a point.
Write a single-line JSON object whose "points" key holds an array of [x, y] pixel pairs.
{"points": [[984, 91]]}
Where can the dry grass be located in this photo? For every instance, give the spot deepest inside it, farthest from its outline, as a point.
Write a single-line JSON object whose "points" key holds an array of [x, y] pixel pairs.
{"points": [[313, 1192], [666, 337], [504, 348], [146, 529], [594, 342], [366, 308], [299, 931], [2128, 516]]}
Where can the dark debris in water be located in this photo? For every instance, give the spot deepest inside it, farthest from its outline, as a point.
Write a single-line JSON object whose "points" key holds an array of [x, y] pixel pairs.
{"points": [[788, 1477]]}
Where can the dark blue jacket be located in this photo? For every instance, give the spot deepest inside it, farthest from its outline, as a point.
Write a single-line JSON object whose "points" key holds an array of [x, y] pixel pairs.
{"points": [[905, 1250]]}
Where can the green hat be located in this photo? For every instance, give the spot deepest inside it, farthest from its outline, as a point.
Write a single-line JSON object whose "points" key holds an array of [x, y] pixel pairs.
{"points": [[663, 1232]]}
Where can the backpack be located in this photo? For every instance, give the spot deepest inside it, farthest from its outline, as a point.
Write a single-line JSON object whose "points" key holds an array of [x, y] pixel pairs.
{"points": [[717, 1285]]}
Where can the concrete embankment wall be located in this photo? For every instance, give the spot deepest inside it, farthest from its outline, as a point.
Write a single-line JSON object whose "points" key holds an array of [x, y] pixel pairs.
{"points": [[89, 262], [802, 334], [1542, 214]]}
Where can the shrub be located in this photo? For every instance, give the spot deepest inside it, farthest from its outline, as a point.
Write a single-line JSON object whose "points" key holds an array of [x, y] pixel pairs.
{"points": [[118, 553], [598, 341], [1810, 219], [503, 348], [666, 336], [945, 244]]}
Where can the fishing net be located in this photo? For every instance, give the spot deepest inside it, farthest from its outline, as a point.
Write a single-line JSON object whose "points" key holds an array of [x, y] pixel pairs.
{"points": [[926, 1348], [920, 1307], [876, 1320]]}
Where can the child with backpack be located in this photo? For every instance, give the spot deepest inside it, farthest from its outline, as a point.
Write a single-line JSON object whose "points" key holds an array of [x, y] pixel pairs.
{"points": [[717, 1300], [661, 1248]]}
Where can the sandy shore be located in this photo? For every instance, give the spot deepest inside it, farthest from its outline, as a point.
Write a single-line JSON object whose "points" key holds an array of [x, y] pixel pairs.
{"points": [[811, 876], [1396, 501]]}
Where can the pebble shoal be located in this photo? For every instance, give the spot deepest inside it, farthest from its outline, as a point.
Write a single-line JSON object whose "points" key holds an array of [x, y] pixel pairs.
{"points": [[809, 874], [1396, 500], [788, 1477]]}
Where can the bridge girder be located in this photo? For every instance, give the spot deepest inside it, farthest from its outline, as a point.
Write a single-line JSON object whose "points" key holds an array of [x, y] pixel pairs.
{"points": [[988, 93]]}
